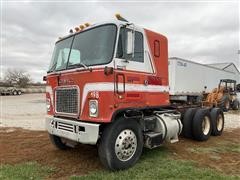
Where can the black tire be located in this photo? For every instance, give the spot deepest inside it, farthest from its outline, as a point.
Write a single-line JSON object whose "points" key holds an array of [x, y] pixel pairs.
{"points": [[225, 103], [217, 118], [14, 93], [57, 142], [108, 144], [19, 92], [202, 117], [187, 122], [236, 104], [238, 87]]}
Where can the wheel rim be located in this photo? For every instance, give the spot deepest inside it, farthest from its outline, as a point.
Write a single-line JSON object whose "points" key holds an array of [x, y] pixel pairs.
{"points": [[14, 93], [206, 125], [125, 145], [219, 122]]}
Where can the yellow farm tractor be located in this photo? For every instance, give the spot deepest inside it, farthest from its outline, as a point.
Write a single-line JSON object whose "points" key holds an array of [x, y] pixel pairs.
{"points": [[224, 96]]}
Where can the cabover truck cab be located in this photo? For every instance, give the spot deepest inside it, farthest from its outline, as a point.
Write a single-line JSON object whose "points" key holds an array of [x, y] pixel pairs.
{"points": [[107, 85]]}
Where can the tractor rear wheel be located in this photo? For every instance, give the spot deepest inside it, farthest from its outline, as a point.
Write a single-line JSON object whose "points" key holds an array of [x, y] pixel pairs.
{"points": [[217, 118], [121, 144], [202, 126], [225, 103], [235, 105]]}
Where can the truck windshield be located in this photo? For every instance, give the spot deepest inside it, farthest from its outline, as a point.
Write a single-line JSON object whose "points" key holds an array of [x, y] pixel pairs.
{"points": [[88, 48]]}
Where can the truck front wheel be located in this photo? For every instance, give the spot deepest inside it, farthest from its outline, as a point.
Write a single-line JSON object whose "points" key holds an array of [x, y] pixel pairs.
{"points": [[121, 144], [58, 142]]}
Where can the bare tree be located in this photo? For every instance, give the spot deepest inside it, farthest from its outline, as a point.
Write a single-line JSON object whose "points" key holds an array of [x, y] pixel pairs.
{"points": [[17, 77]]}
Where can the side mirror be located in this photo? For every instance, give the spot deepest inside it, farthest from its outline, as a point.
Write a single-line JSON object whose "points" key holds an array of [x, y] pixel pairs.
{"points": [[44, 78], [130, 42]]}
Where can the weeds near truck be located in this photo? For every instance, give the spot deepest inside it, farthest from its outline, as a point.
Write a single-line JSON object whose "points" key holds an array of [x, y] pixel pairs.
{"points": [[155, 164], [171, 161], [30, 170], [158, 164]]}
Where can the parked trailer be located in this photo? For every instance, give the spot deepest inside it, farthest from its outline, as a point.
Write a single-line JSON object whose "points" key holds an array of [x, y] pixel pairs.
{"points": [[10, 91], [188, 80], [111, 89]]}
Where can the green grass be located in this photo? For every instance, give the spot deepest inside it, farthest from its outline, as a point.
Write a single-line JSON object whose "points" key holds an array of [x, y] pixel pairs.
{"points": [[30, 170], [222, 147], [158, 164], [154, 164]]}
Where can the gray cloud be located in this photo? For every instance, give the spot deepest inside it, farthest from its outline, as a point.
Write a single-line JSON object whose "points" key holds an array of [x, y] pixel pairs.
{"points": [[203, 32]]}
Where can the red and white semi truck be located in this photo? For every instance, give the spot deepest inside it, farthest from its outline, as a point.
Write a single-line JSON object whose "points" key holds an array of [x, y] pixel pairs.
{"points": [[108, 85]]}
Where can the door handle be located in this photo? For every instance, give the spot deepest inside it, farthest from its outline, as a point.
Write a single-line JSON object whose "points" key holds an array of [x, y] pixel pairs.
{"points": [[121, 67], [145, 82]]}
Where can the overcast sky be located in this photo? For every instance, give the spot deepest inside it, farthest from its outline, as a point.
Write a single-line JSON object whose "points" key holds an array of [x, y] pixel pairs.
{"points": [[205, 32]]}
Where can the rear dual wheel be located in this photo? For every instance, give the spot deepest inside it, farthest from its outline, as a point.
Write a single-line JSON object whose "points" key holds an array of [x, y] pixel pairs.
{"points": [[199, 124], [202, 125], [187, 122], [15, 92]]}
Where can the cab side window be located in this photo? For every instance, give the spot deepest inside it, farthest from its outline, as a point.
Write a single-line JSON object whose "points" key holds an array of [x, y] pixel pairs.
{"points": [[138, 46]]}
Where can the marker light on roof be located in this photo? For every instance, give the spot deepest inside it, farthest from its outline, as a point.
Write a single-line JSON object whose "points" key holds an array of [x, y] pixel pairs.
{"points": [[87, 24], [120, 18], [76, 28], [81, 27]]}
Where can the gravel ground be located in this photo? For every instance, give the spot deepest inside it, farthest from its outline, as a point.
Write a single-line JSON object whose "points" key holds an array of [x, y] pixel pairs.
{"points": [[28, 111], [232, 120]]}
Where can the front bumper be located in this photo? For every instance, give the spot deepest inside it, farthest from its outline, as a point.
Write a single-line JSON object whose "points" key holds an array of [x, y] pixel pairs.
{"points": [[82, 132]]}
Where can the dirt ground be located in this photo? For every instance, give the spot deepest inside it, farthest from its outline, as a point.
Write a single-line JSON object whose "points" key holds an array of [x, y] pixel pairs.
{"points": [[219, 152], [19, 145]]}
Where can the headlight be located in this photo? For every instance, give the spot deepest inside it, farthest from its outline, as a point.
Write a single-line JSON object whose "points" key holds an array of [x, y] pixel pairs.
{"points": [[48, 104], [93, 108]]}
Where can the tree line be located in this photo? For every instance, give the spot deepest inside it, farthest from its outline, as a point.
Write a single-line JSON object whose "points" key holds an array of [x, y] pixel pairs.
{"points": [[16, 77]]}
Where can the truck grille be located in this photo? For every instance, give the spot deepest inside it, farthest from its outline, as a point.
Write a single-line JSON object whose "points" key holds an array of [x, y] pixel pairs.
{"points": [[67, 100]]}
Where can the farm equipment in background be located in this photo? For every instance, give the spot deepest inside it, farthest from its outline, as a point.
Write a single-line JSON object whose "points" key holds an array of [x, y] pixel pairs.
{"points": [[238, 87], [225, 96], [10, 91]]}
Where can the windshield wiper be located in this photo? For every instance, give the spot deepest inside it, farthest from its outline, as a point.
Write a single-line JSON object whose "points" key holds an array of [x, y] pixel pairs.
{"points": [[84, 65], [80, 65]]}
